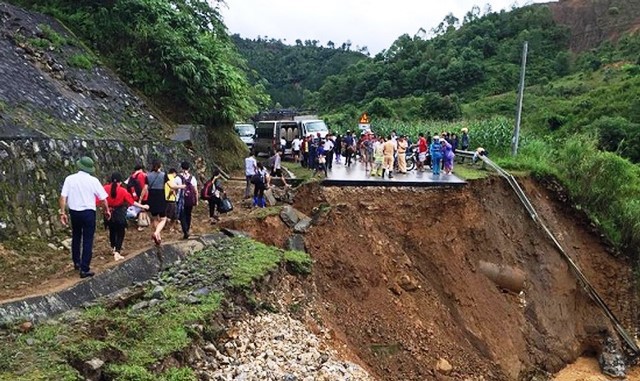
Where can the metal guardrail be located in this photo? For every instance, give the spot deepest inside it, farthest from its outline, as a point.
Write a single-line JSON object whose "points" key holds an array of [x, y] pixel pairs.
{"points": [[593, 294]]}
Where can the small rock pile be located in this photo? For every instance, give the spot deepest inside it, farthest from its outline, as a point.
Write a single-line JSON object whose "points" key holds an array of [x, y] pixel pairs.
{"points": [[275, 347]]}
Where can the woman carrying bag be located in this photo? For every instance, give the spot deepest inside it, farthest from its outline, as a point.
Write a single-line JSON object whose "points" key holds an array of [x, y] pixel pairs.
{"points": [[119, 199], [214, 193]]}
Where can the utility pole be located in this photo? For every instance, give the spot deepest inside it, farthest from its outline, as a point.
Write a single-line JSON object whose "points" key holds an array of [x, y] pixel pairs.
{"points": [[516, 132]]}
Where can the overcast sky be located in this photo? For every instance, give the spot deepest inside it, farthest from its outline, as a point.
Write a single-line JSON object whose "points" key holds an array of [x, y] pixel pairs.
{"points": [[372, 23]]}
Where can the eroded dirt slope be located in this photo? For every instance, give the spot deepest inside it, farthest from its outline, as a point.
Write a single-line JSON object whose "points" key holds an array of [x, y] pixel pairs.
{"points": [[398, 280]]}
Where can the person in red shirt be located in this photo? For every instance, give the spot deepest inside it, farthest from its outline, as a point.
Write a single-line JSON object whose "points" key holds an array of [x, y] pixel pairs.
{"points": [[422, 152], [119, 200]]}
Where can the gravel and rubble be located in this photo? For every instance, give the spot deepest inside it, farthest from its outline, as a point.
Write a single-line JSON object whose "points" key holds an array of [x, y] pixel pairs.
{"points": [[275, 347]]}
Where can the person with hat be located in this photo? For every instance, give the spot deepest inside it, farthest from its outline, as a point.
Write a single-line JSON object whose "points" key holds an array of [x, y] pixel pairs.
{"points": [[402, 154], [79, 193]]}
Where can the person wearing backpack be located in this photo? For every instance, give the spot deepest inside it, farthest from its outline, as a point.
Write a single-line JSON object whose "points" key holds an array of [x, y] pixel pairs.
{"points": [[260, 181], [157, 200], [187, 197]]}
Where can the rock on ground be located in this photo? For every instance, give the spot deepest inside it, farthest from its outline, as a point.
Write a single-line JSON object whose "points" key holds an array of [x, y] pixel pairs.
{"points": [[275, 347]]}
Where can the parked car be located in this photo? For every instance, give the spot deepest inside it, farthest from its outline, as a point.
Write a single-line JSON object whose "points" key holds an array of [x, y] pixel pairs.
{"points": [[246, 132]]}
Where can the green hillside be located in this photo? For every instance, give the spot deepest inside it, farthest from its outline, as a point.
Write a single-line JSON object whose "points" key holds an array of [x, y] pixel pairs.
{"points": [[288, 73]]}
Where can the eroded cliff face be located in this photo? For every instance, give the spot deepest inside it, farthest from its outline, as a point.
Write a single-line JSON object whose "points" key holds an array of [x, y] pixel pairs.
{"points": [[595, 21]]}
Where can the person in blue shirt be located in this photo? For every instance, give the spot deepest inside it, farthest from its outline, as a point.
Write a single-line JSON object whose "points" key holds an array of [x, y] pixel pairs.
{"points": [[435, 149]]}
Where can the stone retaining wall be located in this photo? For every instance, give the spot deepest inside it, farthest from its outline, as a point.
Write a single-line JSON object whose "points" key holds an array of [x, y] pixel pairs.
{"points": [[32, 171]]}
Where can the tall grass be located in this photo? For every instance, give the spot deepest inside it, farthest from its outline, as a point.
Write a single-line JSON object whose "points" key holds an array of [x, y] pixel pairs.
{"points": [[605, 185], [492, 134]]}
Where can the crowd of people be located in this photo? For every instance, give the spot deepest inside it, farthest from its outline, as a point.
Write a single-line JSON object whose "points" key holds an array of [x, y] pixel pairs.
{"points": [[381, 155], [154, 198]]}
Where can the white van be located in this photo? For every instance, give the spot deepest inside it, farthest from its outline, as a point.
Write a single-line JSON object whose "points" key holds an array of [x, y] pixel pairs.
{"points": [[269, 133], [313, 127]]}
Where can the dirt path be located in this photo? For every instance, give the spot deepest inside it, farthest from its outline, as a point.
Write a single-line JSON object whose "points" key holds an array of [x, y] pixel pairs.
{"points": [[41, 269]]}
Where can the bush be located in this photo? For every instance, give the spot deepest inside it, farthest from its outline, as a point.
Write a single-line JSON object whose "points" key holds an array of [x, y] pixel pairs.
{"points": [[606, 186], [81, 61]]}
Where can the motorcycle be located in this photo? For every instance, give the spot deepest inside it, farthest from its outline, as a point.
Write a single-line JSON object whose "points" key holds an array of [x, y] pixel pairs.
{"points": [[411, 156]]}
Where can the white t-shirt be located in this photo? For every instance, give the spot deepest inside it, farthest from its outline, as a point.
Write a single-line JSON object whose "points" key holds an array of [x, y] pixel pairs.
{"points": [[328, 145], [296, 144], [178, 181], [277, 162], [250, 165], [81, 190], [283, 142]]}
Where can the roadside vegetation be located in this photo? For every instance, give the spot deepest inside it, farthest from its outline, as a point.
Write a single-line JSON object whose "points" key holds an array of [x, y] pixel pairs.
{"points": [[131, 339], [178, 54]]}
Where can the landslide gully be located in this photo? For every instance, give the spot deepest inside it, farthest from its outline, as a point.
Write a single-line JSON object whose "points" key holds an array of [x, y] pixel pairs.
{"points": [[397, 278]]}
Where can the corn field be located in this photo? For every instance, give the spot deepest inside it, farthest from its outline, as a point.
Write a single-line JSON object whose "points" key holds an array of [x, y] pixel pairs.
{"points": [[492, 134]]}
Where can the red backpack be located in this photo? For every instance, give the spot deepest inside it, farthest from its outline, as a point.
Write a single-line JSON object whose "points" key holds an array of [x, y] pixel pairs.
{"points": [[205, 192]]}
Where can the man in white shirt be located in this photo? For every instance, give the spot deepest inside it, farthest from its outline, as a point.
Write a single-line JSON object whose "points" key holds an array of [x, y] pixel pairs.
{"points": [[296, 144], [185, 214], [79, 193], [283, 144], [328, 151], [250, 165]]}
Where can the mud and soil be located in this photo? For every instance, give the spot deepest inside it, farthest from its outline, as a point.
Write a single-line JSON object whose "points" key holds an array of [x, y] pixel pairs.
{"points": [[396, 278], [398, 281]]}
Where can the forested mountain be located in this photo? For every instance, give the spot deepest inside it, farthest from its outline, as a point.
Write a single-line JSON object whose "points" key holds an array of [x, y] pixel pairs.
{"points": [[287, 72], [480, 58], [471, 69]]}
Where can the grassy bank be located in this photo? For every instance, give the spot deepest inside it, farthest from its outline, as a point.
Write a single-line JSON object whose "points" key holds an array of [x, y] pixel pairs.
{"points": [[161, 322]]}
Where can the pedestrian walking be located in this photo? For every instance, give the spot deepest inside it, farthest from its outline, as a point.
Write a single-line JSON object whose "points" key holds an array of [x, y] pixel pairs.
{"points": [[250, 165], [296, 145], [187, 197], [213, 193], [337, 146], [260, 181], [79, 193], [170, 194], [157, 201], [119, 199]]}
